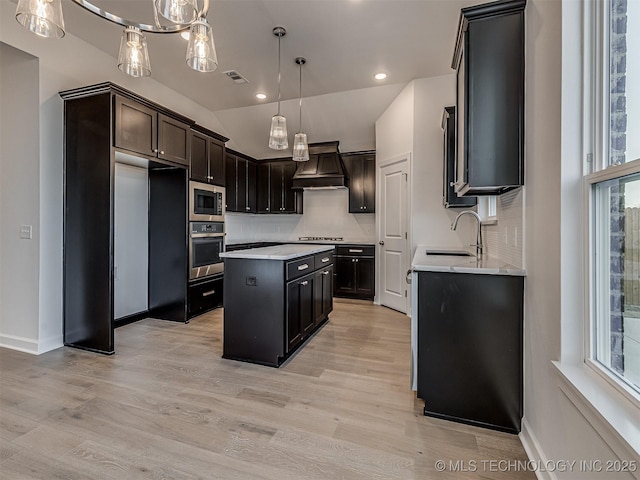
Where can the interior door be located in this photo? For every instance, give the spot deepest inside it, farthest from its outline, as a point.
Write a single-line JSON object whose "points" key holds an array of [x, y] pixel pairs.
{"points": [[393, 235]]}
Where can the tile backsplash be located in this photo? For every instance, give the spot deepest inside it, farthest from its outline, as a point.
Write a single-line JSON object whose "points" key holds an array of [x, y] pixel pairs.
{"points": [[325, 215], [504, 239]]}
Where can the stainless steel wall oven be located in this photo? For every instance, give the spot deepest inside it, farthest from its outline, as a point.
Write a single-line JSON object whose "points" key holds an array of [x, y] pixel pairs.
{"points": [[206, 243]]}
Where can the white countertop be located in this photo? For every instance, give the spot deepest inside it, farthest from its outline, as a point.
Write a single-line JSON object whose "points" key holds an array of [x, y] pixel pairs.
{"points": [[278, 252], [305, 242], [459, 264]]}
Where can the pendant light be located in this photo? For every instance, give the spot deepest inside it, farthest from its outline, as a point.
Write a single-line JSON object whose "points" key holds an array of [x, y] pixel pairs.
{"points": [[278, 138], [201, 52], [42, 17], [133, 58], [178, 11], [300, 145]]}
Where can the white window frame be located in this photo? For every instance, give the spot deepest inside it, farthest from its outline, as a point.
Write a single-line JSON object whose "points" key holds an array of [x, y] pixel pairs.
{"points": [[597, 169], [595, 332]]}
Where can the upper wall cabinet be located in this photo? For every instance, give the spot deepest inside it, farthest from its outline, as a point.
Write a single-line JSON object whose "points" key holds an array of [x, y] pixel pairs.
{"points": [[489, 59], [361, 168], [274, 192], [449, 197], [240, 184], [141, 129], [207, 157]]}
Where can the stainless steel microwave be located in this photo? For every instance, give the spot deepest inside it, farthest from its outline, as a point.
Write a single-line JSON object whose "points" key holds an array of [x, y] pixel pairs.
{"points": [[206, 202]]}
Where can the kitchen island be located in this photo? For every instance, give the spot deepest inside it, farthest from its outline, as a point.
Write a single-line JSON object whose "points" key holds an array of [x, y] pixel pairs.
{"points": [[275, 298]]}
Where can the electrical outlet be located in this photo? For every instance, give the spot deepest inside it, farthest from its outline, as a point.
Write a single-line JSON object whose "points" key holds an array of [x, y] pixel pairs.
{"points": [[26, 232]]}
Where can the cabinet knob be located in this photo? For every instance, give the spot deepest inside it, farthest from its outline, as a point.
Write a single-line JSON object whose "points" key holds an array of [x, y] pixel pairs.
{"points": [[155, 150], [267, 209], [381, 242], [161, 152], [247, 208], [365, 207], [306, 282]]}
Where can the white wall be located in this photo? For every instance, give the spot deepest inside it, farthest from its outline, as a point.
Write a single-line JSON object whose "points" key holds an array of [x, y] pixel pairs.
{"points": [[431, 222], [553, 427], [412, 124], [19, 198], [326, 214], [63, 64], [131, 240]]}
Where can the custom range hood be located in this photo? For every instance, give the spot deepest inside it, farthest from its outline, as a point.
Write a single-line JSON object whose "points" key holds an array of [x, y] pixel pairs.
{"points": [[324, 169]]}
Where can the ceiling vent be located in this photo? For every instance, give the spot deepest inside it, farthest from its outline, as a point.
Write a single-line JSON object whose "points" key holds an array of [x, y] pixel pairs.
{"points": [[236, 77]]}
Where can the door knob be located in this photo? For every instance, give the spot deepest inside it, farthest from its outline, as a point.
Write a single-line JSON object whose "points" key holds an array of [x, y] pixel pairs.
{"points": [[381, 242]]}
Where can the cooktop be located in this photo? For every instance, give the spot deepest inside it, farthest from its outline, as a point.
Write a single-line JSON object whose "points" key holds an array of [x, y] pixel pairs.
{"points": [[323, 239]]}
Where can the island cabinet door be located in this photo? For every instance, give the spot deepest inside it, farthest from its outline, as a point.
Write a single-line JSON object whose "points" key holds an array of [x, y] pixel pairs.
{"points": [[323, 294], [300, 310]]}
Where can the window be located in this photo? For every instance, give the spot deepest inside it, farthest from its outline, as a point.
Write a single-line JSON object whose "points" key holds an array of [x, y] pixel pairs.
{"points": [[487, 208], [614, 200]]}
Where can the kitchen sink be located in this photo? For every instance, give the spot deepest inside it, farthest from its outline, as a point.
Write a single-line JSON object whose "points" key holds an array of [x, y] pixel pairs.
{"points": [[455, 253]]}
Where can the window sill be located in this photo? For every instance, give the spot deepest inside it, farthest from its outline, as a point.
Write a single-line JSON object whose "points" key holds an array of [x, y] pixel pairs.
{"points": [[489, 221], [611, 414]]}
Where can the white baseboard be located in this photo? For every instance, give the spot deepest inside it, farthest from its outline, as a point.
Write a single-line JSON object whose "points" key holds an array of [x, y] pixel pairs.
{"points": [[50, 343], [29, 345], [534, 451]]}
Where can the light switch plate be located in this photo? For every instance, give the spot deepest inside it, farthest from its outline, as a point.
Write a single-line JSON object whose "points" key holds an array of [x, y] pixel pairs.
{"points": [[26, 231]]}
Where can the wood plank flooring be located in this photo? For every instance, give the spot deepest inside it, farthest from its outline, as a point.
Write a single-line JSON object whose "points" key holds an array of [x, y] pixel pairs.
{"points": [[167, 406]]}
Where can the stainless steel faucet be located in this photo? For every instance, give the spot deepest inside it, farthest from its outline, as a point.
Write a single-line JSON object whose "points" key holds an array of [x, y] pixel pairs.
{"points": [[478, 244]]}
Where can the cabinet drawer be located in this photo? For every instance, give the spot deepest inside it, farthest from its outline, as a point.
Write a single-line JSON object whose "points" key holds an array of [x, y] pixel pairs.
{"points": [[205, 296], [356, 250], [323, 259], [299, 267]]}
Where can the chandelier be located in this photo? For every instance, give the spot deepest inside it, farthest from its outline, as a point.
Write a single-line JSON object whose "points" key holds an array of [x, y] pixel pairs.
{"points": [[44, 18]]}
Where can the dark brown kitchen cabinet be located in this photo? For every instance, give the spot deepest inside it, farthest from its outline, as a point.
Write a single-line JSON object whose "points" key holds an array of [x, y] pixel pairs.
{"points": [[470, 348], [141, 129], [354, 271], [489, 60], [274, 192], [361, 168], [240, 180], [300, 310], [449, 196], [204, 295], [272, 307], [207, 163], [323, 293], [100, 123]]}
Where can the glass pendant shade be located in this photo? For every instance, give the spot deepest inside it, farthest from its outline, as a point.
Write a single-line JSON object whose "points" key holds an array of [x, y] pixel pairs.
{"points": [[178, 11], [300, 148], [133, 58], [278, 139], [42, 17], [201, 52]]}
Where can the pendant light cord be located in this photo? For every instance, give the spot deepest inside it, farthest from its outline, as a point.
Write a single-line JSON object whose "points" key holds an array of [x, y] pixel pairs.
{"points": [[300, 96], [279, 73]]}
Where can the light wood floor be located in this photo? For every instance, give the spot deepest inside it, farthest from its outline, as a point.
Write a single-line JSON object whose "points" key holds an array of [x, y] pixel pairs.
{"points": [[167, 406]]}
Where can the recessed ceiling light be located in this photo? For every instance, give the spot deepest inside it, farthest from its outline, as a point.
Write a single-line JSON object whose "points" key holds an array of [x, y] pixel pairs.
{"points": [[261, 96], [185, 34], [380, 76]]}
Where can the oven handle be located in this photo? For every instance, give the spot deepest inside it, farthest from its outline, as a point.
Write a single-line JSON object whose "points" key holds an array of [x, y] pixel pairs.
{"points": [[210, 292], [206, 235]]}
